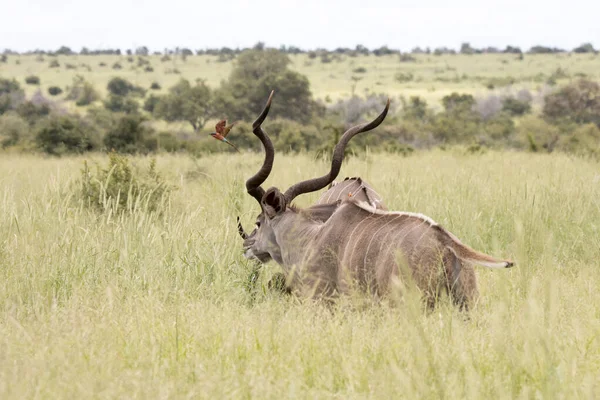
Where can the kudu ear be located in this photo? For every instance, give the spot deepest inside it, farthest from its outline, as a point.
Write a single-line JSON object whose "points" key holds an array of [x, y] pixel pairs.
{"points": [[273, 202]]}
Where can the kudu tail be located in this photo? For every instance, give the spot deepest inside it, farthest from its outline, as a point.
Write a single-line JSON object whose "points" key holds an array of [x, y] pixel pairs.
{"points": [[468, 254]]}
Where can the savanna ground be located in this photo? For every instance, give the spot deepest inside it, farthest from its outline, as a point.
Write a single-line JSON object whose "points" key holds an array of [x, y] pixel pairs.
{"points": [[158, 305], [429, 76]]}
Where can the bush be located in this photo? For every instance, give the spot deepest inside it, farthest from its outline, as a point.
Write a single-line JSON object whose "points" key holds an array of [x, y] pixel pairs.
{"points": [[3, 58], [122, 87], [403, 77], [155, 86], [82, 92], [124, 104], [515, 107], [54, 64], [11, 95], [151, 102], [129, 135], [578, 102], [584, 140], [32, 80], [59, 134], [148, 68], [291, 136], [32, 112], [54, 90], [535, 134], [117, 66], [407, 58], [13, 129], [119, 187], [359, 70], [167, 142]]}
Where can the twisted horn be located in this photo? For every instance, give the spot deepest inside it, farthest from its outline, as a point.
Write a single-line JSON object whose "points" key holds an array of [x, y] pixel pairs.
{"points": [[241, 229], [253, 183], [315, 184]]}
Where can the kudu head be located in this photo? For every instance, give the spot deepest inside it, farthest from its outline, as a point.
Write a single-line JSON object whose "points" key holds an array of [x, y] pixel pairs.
{"points": [[262, 244]]}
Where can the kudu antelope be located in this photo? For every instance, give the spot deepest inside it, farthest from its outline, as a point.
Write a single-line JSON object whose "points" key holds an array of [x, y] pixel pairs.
{"points": [[357, 245]]}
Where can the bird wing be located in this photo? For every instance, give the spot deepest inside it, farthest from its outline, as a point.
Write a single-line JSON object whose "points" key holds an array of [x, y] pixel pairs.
{"points": [[227, 129], [220, 126]]}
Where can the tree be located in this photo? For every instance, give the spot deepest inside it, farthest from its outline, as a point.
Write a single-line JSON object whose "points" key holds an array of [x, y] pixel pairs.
{"points": [[142, 51], [11, 95], [578, 102], [82, 92], [65, 134], [125, 104], [64, 50], [256, 73], [187, 103], [465, 48], [129, 135], [458, 102], [122, 87], [585, 48]]}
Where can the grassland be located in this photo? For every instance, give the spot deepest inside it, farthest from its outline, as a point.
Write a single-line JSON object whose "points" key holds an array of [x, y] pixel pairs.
{"points": [[155, 306], [432, 76]]}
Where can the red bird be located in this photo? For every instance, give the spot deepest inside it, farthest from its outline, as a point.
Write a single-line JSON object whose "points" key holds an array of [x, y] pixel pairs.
{"points": [[222, 130]]}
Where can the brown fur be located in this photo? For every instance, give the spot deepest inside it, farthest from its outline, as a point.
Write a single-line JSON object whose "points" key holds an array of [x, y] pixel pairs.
{"points": [[360, 246]]}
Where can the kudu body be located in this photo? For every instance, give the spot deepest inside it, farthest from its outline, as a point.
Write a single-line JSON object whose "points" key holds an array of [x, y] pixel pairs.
{"points": [[358, 245]]}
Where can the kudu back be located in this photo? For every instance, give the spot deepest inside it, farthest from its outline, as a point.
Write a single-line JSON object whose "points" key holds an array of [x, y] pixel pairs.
{"points": [[358, 246]]}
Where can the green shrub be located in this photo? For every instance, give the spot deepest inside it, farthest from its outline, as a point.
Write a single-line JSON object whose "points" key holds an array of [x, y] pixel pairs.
{"points": [[155, 86], [167, 142], [515, 106], [33, 112], [32, 80], [535, 134], [407, 58], [120, 187], [578, 102], [11, 95], [583, 140], [54, 64], [13, 129], [359, 70], [130, 135], [403, 77], [124, 104], [122, 87], [151, 102], [117, 66], [60, 134], [54, 90], [82, 92]]}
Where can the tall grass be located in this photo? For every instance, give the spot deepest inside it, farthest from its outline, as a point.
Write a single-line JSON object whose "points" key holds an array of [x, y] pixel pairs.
{"points": [[155, 304]]}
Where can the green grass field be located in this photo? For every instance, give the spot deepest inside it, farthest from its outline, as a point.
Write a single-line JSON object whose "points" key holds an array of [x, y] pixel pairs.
{"points": [[432, 76], [156, 306]]}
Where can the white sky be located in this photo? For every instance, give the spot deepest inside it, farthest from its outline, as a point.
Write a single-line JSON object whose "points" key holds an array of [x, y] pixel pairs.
{"points": [[308, 24]]}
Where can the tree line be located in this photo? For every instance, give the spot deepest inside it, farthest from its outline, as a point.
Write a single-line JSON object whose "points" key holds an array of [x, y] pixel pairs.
{"points": [[125, 119], [464, 48]]}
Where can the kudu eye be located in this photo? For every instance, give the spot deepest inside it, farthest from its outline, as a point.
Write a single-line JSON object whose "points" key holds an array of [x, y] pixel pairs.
{"points": [[257, 224]]}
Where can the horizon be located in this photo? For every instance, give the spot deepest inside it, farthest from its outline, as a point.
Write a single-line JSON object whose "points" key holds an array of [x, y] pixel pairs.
{"points": [[48, 25]]}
